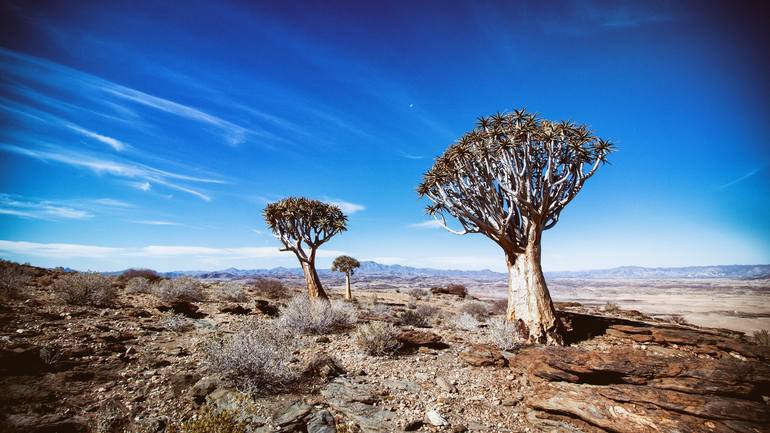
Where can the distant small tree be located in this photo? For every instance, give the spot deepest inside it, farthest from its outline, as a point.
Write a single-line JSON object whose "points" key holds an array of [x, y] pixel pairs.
{"points": [[303, 225], [346, 265], [509, 179]]}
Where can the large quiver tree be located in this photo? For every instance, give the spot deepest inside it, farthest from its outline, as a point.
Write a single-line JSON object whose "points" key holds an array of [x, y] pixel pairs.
{"points": [[347, 266], [509, 179], [303, 225]]}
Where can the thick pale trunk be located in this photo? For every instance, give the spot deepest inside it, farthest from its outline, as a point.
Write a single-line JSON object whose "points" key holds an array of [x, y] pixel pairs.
{"points": [[314, 288], [348, 293], [530, 308]]}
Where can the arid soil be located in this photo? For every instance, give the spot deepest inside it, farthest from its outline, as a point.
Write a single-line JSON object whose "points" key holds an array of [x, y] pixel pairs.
{"points": [[70, 368]]}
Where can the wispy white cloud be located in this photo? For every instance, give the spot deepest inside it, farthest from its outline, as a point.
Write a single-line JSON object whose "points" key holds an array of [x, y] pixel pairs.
{"points": [[429, 224], [156, 222], [410, 156], [747, 175], [145, 173], [45, 210], [112, 202], [112, 142], [346, 206], [59, 250], [94, 87]]}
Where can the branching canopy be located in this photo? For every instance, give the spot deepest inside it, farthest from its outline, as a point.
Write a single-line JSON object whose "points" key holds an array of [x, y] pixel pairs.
{"points": [[302, 223], [514, 173], [345, 264]]}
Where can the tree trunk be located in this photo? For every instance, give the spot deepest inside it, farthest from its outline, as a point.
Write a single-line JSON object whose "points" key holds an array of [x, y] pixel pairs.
{"points": [[314, 288], [530, 308], [348, 293]]}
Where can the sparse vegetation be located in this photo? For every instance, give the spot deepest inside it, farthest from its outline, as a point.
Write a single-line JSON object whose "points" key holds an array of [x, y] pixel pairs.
{"points": [[498, 306], [305, 315], [377, 338], [503, 334], [139, 285], [418, 293], [86, 288], [147, 274], [213, 420], [762, 337], [179, 289], [256, 359], [176, 323], [466, 322], [420, 317], [232, 291], [269, 288], [479, 310], [13, 278], [611, 307]]}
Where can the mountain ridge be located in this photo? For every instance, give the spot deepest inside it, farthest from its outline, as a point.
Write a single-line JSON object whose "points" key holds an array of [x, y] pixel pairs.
{"points": [[371, 268]]}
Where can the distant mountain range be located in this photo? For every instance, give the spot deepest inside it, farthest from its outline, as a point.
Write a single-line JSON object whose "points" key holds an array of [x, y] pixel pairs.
{"points": [[374, 269]]}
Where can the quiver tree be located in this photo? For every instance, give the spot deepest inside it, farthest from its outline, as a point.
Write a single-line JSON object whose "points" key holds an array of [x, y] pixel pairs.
{"points": [[346, 265], [509, 179], [303, 225]]}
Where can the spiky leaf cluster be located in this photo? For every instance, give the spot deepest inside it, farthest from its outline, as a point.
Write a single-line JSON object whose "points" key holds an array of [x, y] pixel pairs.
{"points": [[300, 222], [345, 264], [512, 174]]}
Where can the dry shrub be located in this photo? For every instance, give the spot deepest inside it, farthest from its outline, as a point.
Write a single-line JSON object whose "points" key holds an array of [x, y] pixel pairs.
{"points": [[147, 274], [380, 310], [138, 285], [86, 288], [421, 316], [232, 291], [304, 315], [270, 288], [13, 278], [465, 322], [213, 420], [479, 310], [179, 289], [176, 323], [377, 338], [418, 293], [611, 307], [503, 334], [458, 289], [256, 359], [498, 306], [762, 337]]}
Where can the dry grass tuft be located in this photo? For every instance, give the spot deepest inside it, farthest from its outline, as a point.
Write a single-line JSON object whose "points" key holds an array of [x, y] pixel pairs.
{"points": [[256, 359], [304, 315], [377, 338]]}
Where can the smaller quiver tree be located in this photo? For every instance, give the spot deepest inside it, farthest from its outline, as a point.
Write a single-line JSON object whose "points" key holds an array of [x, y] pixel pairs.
{"points": [[303, 225], [346, 265]]}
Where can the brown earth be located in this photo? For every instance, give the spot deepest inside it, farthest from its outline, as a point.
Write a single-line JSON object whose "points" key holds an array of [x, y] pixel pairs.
{"points": [[69, 369]]}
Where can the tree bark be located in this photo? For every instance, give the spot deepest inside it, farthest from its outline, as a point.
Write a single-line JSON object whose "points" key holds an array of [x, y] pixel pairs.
{"points": [[530, 308], [348, 293], [314, 288]]}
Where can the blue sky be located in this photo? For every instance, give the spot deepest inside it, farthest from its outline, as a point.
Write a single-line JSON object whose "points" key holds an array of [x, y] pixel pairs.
{"points": [[153, 135]]}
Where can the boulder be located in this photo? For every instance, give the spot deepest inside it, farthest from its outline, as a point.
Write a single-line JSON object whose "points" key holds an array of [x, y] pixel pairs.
{"points": [[321, 422], [483, 355], [412, 339]]}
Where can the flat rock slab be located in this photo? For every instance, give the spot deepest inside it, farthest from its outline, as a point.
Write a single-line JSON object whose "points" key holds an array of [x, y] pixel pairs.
{"points": [[629, 390], [355, 401]]}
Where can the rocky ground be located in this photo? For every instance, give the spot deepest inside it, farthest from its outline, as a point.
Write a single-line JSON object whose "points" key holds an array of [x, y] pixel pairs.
{"points": [[134, 367]]}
